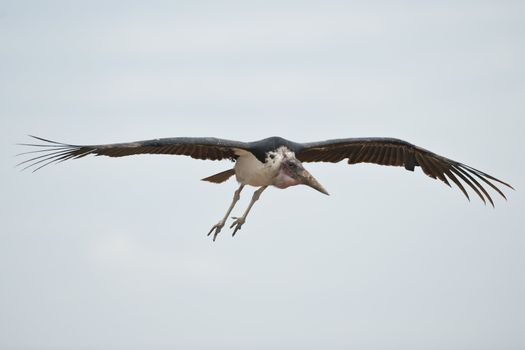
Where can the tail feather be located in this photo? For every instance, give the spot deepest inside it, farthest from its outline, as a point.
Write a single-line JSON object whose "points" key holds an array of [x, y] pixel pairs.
{"points": [[220, 177]]}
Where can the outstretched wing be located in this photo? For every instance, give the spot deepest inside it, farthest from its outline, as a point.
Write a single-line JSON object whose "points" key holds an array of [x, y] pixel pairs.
{"points": [[395, 152], [195, 147]]}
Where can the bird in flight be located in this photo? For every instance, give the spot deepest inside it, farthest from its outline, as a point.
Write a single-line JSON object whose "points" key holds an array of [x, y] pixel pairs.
{"points": [[277, 162]]}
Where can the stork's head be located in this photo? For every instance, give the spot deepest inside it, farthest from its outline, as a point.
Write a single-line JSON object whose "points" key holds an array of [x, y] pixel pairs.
{"points": [[292, 172]]}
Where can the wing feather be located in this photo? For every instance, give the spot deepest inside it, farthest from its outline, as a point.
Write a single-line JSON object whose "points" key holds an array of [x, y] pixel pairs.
{"points": [[395, 152], [196, 147]]}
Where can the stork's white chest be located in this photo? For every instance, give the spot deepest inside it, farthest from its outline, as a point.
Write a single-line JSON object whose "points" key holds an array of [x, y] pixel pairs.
{"points": [[250, 171]]}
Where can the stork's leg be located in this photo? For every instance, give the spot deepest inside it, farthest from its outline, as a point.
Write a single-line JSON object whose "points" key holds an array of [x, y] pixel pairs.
{"points": [[239, 221], [220, 224]]}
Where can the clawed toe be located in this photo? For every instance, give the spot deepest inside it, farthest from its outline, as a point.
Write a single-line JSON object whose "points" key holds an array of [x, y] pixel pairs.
{"points": [[238, 224], [217, 228]]}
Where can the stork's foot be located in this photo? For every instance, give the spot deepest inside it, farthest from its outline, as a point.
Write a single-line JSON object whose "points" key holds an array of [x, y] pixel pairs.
{"points": [[237, 223], [217, 228]]}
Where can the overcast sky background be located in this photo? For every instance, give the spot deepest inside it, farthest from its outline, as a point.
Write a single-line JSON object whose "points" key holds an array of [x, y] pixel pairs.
{"points": [[105, 253]]}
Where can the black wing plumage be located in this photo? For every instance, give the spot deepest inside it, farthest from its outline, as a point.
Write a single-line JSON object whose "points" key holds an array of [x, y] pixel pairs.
{"points": [[196, 147], [395, 152]]}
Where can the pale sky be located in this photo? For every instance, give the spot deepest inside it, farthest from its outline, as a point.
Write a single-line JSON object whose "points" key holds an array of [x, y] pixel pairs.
{"points": [[104, 253]]}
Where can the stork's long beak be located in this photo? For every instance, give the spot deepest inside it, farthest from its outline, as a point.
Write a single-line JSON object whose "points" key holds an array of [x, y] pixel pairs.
{"points": [[307, 179]]}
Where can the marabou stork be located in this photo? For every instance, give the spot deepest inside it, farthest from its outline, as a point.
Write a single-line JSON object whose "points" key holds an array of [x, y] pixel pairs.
{"points": [[277, 162]]}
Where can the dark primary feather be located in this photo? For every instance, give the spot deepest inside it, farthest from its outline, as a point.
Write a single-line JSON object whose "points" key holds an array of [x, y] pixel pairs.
{"points": [[195, 147], [395, 152]]}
